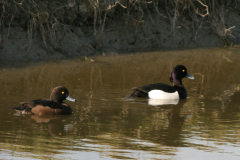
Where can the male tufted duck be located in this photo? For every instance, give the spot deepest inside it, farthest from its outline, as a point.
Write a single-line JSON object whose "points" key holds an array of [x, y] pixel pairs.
{"points": [[165, 91]]}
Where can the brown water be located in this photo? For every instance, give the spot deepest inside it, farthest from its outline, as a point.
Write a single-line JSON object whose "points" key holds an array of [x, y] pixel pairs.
{"points": [[107, 125]]}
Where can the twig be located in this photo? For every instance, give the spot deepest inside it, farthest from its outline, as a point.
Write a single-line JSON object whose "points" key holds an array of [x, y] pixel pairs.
{"points": [[175, 18], [203, 15], [198, 30], [10, 24], [110, 7], [1, 23], [96, 6], [69, 5], [30, 33], [229, 29]]}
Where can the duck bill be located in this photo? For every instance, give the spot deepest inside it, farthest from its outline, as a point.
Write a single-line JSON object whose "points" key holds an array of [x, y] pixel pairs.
{"points": [[189, 76], [71, 99]]}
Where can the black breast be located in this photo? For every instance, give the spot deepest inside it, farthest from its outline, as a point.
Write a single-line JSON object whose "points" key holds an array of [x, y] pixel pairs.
{"points": [[181, 91]]}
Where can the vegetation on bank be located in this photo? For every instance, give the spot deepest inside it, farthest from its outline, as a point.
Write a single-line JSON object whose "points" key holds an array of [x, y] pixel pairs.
{"points": [[47, 16]]}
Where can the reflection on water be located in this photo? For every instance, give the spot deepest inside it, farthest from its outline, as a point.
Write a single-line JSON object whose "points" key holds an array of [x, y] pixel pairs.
{"points": [[55, 124], [174, 118], [107, 125]]}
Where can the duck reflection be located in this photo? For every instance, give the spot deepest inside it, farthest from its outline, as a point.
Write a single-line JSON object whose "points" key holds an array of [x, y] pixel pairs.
{"points": [[171, 134], [55, 124], [174, 118]]}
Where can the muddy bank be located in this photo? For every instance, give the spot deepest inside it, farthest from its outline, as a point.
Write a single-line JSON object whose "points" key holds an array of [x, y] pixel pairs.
{"points": [[43, 30]]}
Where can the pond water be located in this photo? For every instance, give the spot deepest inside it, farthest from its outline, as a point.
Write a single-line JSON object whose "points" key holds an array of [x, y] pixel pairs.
{"points": [[105, 124]]}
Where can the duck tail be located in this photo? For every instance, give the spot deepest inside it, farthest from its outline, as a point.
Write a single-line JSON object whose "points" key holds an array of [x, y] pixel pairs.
{"points": [[18, 108], [138, 93], [23, 109]]}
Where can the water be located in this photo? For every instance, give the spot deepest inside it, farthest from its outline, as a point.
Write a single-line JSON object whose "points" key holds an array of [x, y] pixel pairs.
{"points": [[107, 125]]}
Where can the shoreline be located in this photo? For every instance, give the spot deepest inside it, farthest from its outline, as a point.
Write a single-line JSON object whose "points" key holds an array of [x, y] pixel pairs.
{"points": [[111, 31]]}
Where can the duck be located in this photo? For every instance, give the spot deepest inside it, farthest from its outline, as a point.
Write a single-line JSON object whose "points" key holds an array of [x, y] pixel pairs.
{"points": [[52, 106], [165, 91]]}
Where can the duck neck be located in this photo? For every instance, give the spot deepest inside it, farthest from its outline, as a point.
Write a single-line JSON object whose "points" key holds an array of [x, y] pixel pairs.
{"points": [[55, 99], [175, 80]]}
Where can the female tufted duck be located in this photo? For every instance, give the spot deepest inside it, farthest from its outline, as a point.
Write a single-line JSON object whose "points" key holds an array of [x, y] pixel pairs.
{"points": [[54, 106]]}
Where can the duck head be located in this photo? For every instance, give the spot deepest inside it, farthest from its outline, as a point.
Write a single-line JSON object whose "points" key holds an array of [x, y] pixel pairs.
{"points": [[178, 73], [61, 93]]}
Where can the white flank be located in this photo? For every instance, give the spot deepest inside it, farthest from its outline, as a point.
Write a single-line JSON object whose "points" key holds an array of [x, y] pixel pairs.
{"points": [[158, 102], [159, 94]]}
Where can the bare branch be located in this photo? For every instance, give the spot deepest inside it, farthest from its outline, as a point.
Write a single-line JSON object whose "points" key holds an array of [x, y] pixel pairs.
{"points": [[110, 7], [203, 15]]}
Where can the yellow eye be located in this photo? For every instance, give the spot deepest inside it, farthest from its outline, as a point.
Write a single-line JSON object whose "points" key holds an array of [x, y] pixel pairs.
{"points": [[62, 92], [183, 70]]}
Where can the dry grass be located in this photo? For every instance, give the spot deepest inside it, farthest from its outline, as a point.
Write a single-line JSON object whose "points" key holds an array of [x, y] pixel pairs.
{"points": [[49, 16]]}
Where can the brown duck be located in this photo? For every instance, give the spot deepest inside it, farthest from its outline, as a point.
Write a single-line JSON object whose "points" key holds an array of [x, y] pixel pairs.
{"points": [[54, 106]]}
